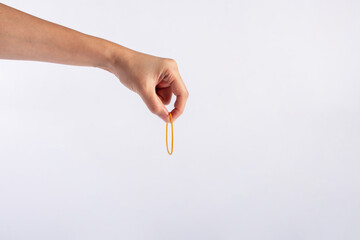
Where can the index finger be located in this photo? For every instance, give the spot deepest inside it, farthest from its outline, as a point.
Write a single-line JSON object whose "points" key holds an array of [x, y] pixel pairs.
{"points": [[179, 89]]}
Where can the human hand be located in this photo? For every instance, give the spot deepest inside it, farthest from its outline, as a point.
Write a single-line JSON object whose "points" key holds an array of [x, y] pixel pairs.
{"points": [[154, 79]]}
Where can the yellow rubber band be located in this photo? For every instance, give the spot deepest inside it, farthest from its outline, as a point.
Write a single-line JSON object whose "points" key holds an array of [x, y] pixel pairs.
{"points": [[172, 136]]}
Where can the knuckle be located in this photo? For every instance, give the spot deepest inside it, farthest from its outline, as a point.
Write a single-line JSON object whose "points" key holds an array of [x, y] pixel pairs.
{"points": [[171, 62], [181, 111], [186, 94], [142, 88], [155, 109], [139, 88]]}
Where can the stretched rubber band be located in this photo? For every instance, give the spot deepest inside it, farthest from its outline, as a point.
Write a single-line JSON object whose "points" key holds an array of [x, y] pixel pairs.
{"points": [[172, 136]]}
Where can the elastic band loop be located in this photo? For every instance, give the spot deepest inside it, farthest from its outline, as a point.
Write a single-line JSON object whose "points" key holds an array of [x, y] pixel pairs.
{"points": [[172, 136]]}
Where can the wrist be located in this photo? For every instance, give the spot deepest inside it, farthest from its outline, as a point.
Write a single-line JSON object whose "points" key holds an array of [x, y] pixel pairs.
{"points": [[105, 57], [115, 57]]}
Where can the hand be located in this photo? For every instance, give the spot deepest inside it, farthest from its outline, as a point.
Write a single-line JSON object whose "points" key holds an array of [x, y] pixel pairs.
{"points": [[154, 79]]}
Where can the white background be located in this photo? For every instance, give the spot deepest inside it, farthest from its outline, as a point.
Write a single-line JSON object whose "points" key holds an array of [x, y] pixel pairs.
{"points": [[268, 147]]}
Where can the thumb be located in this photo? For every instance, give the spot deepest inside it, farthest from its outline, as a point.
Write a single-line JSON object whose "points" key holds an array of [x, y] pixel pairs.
{"points": [[155, 105]]}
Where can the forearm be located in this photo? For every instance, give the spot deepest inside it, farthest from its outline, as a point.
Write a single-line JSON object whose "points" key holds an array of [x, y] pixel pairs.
{"points": [[25, 37]]}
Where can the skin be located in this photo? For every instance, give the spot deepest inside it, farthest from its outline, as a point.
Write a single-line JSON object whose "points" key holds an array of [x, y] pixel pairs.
{"points": [[155, 79]]}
